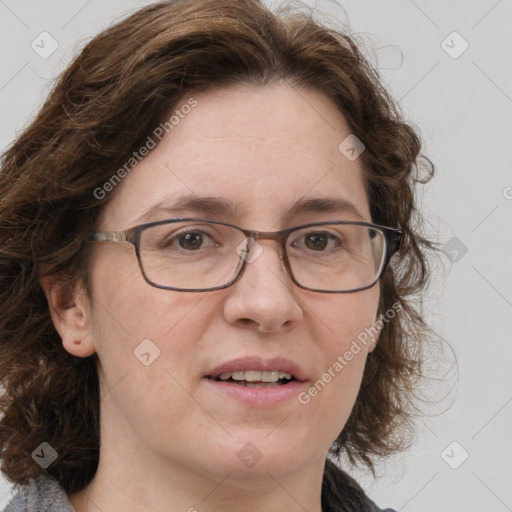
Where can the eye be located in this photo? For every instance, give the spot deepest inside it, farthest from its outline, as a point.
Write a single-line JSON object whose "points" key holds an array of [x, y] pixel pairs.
{"points": [[317, 241], [191, 240]]}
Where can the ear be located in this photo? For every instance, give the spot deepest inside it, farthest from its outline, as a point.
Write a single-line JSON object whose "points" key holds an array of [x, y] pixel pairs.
{"points": [[70, 311]]}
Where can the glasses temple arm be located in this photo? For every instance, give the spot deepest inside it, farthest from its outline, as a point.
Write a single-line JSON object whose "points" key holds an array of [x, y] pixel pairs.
{"points": [[107, 236]]}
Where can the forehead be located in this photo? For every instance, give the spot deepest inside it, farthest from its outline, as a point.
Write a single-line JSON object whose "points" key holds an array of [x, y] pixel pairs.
{"points": [[259, 149]]}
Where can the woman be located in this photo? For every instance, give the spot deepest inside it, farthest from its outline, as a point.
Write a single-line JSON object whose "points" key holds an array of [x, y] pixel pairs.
{"points": [[208, 250]]}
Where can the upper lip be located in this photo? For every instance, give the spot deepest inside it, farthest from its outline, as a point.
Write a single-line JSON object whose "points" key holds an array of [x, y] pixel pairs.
{"points": [[259, 364]]}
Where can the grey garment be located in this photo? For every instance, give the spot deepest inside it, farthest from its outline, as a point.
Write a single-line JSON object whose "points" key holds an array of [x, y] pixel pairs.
{"points": [[340, 493], [42, 494]]}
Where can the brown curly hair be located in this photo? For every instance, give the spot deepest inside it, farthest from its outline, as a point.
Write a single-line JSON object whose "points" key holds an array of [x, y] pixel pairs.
{"points": [[101, 109]]}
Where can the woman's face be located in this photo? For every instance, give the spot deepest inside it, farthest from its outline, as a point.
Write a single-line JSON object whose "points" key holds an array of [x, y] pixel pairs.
{"points": [[262, 151]]}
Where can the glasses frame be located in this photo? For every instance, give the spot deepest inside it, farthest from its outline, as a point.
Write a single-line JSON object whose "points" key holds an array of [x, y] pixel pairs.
{"points": [[392, 238]]}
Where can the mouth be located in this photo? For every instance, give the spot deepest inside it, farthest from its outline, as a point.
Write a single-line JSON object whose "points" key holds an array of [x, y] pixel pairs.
{"points": [[256, 378], [258, 382]]}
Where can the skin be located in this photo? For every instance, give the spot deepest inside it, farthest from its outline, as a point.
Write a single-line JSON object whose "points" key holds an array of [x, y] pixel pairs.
{"points": [[168, 441]]}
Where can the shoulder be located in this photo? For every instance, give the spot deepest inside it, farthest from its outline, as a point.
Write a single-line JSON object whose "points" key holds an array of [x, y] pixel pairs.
{"points": [[341, 493], [41, 494]]}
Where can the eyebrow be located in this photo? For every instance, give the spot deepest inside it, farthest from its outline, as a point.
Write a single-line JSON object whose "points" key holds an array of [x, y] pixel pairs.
{"points": [[204, 205], [323, 205], [215, 206]]}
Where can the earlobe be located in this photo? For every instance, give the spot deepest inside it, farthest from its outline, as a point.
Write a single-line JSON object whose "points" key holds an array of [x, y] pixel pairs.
{"points": [[70, 311]]}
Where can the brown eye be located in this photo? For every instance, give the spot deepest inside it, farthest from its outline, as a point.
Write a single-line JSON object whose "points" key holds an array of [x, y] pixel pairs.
{"points": [[317, 241], [191, 241]]}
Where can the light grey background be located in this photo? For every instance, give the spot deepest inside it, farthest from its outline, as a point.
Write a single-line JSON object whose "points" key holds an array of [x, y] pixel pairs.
{"points": [[463, 108]]}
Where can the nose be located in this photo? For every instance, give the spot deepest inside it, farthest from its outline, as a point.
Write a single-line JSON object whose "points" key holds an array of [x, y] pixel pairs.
{"points": [[264, 296]]}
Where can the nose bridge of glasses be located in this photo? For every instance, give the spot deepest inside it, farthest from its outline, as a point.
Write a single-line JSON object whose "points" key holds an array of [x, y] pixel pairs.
{"points": [[251, 249], [253, 237]]}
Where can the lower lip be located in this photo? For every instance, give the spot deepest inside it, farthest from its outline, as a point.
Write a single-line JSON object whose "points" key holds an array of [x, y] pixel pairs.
{"points": [[262, 397]]}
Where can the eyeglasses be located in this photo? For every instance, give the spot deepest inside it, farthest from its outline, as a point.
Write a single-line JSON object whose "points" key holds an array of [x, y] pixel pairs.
{"points": [[197, 255]]}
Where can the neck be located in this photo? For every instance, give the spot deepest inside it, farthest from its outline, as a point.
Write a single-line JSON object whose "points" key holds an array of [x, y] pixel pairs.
{"points": [[131, 480], [182, 491]]}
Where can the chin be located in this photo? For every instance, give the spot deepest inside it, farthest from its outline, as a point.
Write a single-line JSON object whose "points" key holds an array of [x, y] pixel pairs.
{"points": [[257, 464]]}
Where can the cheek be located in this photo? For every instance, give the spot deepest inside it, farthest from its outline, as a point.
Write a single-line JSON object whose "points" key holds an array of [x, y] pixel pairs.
{"points": [[148, 342], [342, 320], [134, 323], [125, 304], [341, 329]]}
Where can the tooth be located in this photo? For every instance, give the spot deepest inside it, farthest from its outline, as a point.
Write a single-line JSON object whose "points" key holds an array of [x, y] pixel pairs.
{"points": [[261, 384], [269, 376], [253, 376]]}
